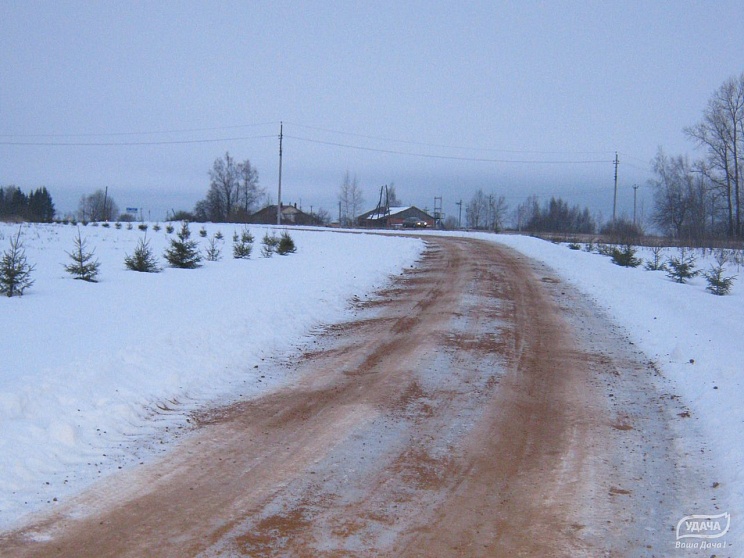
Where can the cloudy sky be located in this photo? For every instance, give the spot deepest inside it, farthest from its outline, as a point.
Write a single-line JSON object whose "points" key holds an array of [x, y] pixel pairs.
{"points": [[439, 98]]}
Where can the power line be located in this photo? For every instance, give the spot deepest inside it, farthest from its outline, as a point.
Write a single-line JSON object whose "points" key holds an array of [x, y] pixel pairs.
{"points": [[148, 133], [444, 146], [445, 157], [126, 143]]}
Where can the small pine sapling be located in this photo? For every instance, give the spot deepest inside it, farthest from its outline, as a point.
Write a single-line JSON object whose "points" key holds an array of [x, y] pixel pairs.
{"points": [[682, 268], [243, 244], [142, 259], [169, 228], [156, 227], [656, 263], [218, 235], [718, 284], [213, 251], [269, 245], [83, 266], [183, 252], [625, 257], [286, 245], [142, 227], [15, 271], [203, 232]]}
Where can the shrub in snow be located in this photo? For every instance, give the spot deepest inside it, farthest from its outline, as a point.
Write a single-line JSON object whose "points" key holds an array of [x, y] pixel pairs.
{"points": [[574, 246], [142, 227], [605, 249], [218, 235], [656, 263], [83, 265], [183, 253], [718, 284], [117, 225], [286, 245], [15, 272], [682, 267], [156, 227], [203, 232], [625, 257], [269, 244], [129, 226], [169, 228], [243, 244], [142, 259], [213, 252], [105, 224]]}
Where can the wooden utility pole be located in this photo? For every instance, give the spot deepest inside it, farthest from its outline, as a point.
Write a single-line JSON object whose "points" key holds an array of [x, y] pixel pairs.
{"points": [[459, 218], [635, 195], [279, 202], [614, 203]]}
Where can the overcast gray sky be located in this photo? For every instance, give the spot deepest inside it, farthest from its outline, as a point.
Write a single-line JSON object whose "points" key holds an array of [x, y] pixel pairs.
{"points": [[441, 98]]}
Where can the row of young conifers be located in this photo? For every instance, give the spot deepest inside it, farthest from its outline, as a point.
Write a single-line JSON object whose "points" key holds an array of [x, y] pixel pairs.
{"points": [[16, 272]]}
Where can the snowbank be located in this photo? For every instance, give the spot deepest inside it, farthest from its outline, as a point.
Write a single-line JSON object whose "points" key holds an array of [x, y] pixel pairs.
{"points": [[90, 372]]}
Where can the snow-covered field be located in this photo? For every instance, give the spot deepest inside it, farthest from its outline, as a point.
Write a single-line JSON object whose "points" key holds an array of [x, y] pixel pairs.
{"points": [[92, 372], [93, 376]]}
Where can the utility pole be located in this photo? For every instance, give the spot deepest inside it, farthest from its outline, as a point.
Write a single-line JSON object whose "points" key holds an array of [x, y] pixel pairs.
{"points": [[635, 195], [279, 203], [614, 203], [105, 200], [459, 218]]}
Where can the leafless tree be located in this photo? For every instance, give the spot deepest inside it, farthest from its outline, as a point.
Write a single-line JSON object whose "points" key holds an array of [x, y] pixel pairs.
{"points": [[350, 197], [233, 191], [681, 197], [721, 132], [98, 206], [486, 212], [476, 211]]}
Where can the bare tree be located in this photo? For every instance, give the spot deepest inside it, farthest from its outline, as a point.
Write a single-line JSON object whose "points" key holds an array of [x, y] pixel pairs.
{"points": [[249, 192], [350, 198], [393, 200], [721, 132], [98, 206], [223, 189], [233, 191], [476, 212]]}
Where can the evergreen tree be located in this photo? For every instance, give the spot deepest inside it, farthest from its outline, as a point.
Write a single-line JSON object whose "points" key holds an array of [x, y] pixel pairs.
{"points": [[15, 272], [269, 245], [243, 244], [286, 245], [83, 265], [681, 268], [142, 259], [718, 284], [183, 252]]}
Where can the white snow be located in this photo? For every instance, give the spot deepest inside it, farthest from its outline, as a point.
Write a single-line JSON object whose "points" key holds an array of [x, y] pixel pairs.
{"points": [[91, 372]]}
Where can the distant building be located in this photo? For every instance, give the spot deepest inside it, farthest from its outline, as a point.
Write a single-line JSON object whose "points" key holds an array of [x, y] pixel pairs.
{"points": [[290, 216], [394, 217]]}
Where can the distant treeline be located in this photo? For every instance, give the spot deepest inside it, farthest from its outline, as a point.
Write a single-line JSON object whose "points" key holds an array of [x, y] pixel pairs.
{"points": [[37, 206]]}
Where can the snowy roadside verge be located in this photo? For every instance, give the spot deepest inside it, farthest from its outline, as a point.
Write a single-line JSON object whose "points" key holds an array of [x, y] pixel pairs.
{"points": [[89, 370], [693, 337]]}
